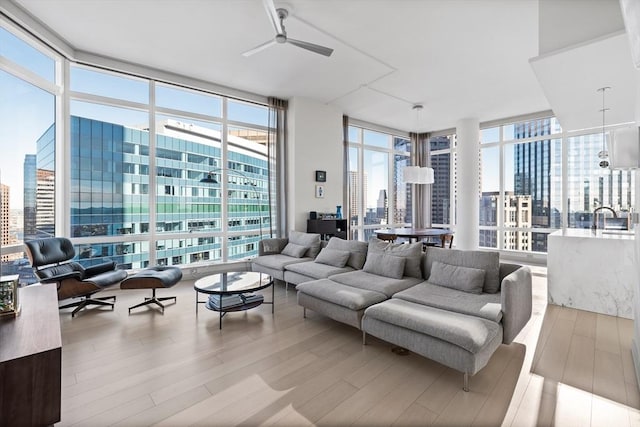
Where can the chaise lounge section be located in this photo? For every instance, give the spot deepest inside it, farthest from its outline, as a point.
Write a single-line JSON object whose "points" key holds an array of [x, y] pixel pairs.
{"points": [[467, 306]]}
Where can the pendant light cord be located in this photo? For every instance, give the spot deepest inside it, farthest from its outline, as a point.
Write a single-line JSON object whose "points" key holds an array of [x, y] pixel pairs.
{"points": [[603, 155]]}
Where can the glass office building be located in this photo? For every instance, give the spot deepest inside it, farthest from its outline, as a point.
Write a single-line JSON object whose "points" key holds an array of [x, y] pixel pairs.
{"points": [[111, 183]]}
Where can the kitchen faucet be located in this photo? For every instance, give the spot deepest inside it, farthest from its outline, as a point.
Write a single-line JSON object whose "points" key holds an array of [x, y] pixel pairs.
{"points": [[594, 226]]}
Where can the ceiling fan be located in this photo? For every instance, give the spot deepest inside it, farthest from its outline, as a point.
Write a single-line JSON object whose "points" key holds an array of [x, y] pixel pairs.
{"points": [[277, 20]]}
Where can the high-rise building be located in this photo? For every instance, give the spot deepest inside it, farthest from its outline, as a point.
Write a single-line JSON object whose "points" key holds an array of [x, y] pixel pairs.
{"points": [[109, 191], [4, 218], [354, 196], [516, 212], [532, 175], [45, 184], [45, 203], [29, 198], [441, 188], [382, 207]]}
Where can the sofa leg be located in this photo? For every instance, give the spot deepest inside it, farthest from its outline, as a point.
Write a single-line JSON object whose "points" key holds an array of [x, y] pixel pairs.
{"points": [[364, 338], [465, 385], [304, 312]]}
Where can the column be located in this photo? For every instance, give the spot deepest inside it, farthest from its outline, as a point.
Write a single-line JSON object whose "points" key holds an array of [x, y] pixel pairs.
{"points": [[468, 173]]}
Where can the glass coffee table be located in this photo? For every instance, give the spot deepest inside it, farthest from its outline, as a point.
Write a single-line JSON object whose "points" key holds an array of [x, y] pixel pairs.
{"points": [[232, 287]]}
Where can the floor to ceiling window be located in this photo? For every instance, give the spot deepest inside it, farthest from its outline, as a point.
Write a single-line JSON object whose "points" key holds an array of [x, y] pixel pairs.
{"points": [[144, 174], [27, 181], [520, 183], [157, 173], [378, 196]]}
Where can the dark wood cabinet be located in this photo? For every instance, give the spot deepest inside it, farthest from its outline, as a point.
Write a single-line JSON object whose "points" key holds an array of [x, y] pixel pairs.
{"points": [[328, 228], [31, 360]]}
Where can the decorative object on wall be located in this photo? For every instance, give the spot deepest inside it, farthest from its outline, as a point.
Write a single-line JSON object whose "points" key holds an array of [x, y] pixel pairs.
{"points": [[319, 191], [211, 179], [603, 155], [418, 175], [321, 176]]}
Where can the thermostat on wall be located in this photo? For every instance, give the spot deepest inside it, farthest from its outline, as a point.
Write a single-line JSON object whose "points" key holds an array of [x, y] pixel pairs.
{"points": [[321, 176]]}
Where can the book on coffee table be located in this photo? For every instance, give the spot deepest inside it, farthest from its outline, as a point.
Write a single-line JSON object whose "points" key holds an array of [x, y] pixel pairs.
{"points": [[231, 301]]}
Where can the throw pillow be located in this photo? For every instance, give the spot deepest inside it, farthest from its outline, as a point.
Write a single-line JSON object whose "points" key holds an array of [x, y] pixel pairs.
{"points": [[411, 251], [310, 240], [296, 251], [270, 247], [465, 279], [488, 261], [334, 257], [357, 249], [385, 265]]}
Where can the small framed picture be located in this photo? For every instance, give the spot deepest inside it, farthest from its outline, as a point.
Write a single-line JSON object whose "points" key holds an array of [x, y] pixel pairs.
{"points": [[321, 176], [319, 191]]}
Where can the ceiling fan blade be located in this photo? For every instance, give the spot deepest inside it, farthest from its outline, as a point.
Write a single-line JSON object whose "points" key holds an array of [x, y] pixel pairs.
{"points": [[273, 15], [312, 47], [259, 48]]}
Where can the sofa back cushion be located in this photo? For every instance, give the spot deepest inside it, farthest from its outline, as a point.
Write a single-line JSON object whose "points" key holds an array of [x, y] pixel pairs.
{"points": [[488, 261], [334, 257], [310, 240], [357, 250], [294, 250], [382, 264], [465, 279], [412, 252]]}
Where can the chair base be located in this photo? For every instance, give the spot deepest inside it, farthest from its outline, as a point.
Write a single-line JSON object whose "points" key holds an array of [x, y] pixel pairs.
{"points": [[79, 305], [153, 300]]}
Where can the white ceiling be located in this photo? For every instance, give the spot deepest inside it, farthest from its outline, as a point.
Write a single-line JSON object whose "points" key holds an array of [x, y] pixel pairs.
{"points": [[460, 58]]}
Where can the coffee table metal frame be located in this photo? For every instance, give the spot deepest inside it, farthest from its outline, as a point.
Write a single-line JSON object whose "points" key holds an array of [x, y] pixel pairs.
{"points": [[204, 286]]}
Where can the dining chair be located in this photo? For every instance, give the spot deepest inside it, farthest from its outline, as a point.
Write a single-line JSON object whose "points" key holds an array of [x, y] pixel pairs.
{"points": [[446, 238]]}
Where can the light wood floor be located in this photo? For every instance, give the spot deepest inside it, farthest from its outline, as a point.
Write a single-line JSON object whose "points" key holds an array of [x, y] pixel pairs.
{"points": [[568, 367]]}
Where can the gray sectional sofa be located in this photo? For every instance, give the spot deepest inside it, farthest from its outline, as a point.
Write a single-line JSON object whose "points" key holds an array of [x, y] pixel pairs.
{"points": [[452, 306]]}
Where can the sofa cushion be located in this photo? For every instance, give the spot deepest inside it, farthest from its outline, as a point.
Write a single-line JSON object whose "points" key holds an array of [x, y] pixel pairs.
{"points": [[271, 246], [385, 265], [345, 296], [465, 279], [412, 252], [488, 261], [485, 305], [278, 261], [316, 270], [469, 332], [334, 257], [310, 240], [373, 282], [357, 250], [294, 250]]}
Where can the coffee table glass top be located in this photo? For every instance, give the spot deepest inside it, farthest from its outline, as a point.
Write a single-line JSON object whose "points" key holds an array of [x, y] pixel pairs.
{"points": [[232, 283]]}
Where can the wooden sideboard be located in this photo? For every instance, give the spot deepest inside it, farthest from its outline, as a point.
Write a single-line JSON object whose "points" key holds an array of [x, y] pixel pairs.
{"points": [[31, 360], [328, 228]]}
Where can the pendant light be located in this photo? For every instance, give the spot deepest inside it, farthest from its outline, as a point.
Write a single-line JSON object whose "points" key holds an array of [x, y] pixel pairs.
{"points": [[604, 154]]}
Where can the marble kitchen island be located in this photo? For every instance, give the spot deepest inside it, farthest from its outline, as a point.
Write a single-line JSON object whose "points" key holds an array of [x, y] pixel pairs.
{"points": [[592, 271]]}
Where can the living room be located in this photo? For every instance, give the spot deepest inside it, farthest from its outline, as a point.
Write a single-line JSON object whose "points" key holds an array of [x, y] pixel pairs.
{"points": [[455, 78]]}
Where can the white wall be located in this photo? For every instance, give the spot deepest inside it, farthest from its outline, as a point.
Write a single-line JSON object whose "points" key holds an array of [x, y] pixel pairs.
{"points": [[315, 143]]}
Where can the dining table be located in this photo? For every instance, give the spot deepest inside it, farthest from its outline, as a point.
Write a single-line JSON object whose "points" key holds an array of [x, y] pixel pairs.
{"points": [[413, 234]]}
